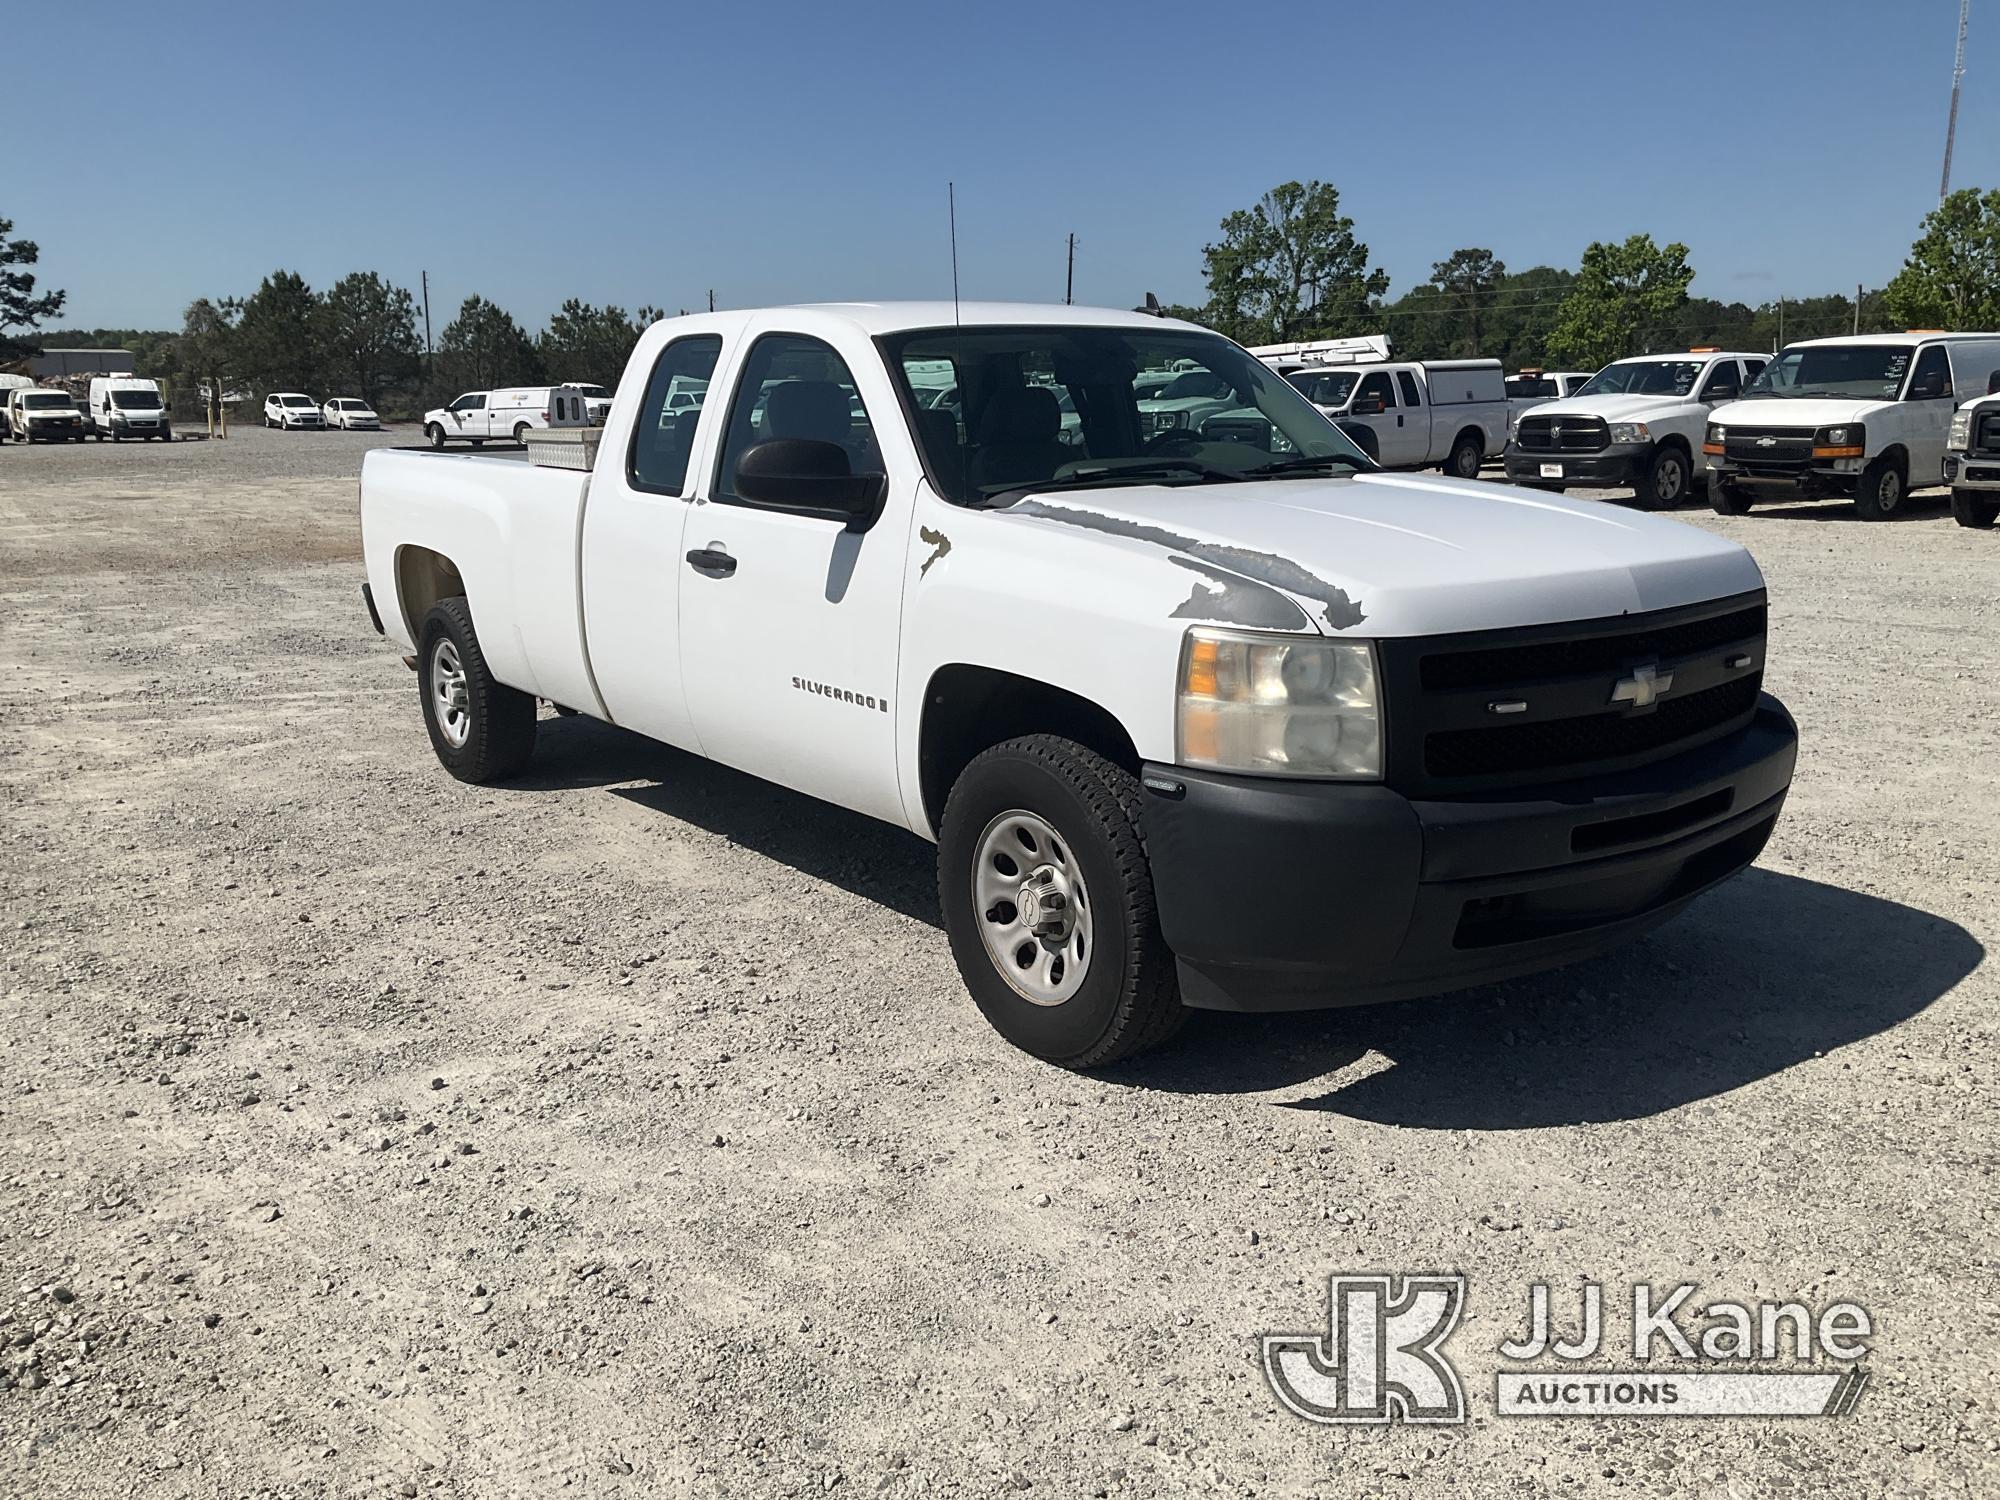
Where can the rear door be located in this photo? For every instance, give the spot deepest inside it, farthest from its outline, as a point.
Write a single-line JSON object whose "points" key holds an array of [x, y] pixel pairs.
{"points": [[789, 622], [1415, 419]]}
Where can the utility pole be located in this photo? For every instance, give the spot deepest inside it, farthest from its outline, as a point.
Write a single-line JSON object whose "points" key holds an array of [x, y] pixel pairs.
{"points": [[1957, 78], [1781, 320], [711, 299], [1069, 280], [1857, 308]]}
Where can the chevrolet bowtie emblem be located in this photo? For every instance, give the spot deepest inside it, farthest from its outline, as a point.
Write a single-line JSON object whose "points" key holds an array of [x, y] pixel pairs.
{"points": [[1645, 687], [1767, 442]]}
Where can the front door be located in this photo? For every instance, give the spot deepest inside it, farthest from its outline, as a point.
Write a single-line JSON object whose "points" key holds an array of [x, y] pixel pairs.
{"points": [[789, 623], [468, 417], [1928, 410]]}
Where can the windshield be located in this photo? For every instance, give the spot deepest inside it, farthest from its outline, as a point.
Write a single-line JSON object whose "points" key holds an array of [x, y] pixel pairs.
{"points": [[41, 401], [1330, 389], [296, 400], [593, 390], [1644, 377], [1036, 406], [1868, 372], [136, 400]]}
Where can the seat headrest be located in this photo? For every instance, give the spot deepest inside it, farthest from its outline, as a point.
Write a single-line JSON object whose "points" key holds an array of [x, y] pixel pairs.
{"points": [[1021, 414], [814, 409]]}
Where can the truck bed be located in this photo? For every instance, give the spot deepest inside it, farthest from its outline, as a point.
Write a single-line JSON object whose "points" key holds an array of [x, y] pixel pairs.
{"points": [[513, 531]]}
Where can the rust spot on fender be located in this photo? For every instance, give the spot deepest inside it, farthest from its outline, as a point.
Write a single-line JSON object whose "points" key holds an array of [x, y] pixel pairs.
{"points": [[936, 540]]}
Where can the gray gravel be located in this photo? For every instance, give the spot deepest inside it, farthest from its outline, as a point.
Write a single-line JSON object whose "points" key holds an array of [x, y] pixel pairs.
{"points": [[627, 1130]]}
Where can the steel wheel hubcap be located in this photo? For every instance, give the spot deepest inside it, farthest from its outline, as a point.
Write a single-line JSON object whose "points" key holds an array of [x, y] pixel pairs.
{"points": [[449, 694], [1033, 909], [1669, 483]]}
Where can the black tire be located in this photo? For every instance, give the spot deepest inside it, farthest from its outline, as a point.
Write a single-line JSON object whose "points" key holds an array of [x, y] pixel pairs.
{"points": [[1970, 508], [1466, 454], [478, 442], [1882, 491], [1665, 482], [435, 433], [1727, 499], [1129, 998], [499, 721]]}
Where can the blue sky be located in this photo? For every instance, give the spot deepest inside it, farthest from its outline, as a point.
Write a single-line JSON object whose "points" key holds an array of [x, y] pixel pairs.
{"points": [[779, 151]]}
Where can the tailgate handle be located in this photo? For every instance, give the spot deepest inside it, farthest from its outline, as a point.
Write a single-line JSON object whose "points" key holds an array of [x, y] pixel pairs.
{"points": [[712, 562]]}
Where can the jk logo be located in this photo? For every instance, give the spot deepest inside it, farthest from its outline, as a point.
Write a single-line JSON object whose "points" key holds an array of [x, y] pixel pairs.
{"points": [[1380, 1358]]}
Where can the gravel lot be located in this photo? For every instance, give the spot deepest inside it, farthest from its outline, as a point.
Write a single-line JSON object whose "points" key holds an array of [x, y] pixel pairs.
{"points": [[627, 1129]]}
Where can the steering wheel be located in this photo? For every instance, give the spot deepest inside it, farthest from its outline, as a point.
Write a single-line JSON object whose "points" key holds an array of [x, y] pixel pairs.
{"points": [[1160, 442]]}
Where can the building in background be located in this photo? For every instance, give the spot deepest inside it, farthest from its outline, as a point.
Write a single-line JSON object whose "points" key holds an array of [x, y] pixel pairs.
{"points": [[51, 363]]}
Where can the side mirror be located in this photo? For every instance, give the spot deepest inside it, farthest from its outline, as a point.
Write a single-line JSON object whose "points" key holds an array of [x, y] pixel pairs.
{"points": [[1368, 406], [1929, 388], [812, 478]]}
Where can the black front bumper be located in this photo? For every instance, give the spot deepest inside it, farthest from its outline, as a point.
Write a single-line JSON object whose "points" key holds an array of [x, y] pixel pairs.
{"points": [[1608, 468], [1280, 895]]}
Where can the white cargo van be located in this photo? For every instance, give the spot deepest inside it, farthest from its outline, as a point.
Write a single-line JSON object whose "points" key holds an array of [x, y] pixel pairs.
{"points": [[128, 406], [8, 385]]}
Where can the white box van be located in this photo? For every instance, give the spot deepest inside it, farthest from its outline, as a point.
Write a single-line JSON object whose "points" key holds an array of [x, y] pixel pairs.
{"points": [[123, 406]]}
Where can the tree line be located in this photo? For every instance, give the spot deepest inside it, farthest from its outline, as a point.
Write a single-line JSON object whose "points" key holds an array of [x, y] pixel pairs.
{"points": [[1290, 268]]}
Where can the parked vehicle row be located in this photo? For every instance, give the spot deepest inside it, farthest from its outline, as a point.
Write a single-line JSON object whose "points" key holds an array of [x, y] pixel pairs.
{"points": [[1201, 712]]}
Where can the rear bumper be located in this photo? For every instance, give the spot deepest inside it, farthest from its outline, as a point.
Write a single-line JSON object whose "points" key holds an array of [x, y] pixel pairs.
{"points": [[1620, 464], [1297, 895]]}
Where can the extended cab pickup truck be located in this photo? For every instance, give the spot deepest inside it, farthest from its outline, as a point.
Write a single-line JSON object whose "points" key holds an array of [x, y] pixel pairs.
{"points": [[1867, 416], [1189, 724], [1447, 413]]}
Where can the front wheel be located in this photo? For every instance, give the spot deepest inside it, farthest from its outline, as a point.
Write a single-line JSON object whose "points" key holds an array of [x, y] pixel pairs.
{"points": [[1970, 508], [1880, 494], [436, 435], [1048, 903], [1665, 482], [1466, 454], [1727, 499], [481, 729]]}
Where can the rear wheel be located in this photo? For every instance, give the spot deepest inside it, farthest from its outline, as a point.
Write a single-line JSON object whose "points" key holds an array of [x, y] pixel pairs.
{"points": [[1727, 499], [481, 729], [436, 435], [521, 433], [1048, 903], [1465, 456], [1970, 508], [1881, 491]]}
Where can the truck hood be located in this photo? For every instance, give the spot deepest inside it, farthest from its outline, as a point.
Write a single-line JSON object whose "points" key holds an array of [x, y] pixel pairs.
{"points": [[1616, 408], [1800, 411], [1398, 554]]}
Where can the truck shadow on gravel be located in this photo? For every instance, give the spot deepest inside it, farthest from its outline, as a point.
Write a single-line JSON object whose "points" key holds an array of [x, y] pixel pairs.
{"points": [[1765, 972]]}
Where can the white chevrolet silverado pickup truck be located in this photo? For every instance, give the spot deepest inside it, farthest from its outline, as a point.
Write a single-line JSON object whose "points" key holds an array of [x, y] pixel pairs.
{"points": [[1237, 722]]}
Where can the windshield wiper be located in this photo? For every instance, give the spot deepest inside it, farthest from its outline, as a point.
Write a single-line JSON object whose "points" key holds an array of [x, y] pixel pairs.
{"points": [[1305, 463], [1092, 475]]}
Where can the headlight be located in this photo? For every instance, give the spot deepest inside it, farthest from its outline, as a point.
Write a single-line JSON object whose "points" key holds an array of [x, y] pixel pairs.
{"points": [[1849, 440], [1961, 430], [1279, 705], [1630, 432], [1713, 435]]}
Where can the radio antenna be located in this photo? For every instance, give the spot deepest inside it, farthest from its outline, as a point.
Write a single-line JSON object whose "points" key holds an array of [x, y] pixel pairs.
{"points": [[951, 202]]}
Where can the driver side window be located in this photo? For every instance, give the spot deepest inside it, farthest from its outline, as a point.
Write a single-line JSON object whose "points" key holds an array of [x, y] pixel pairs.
{"points": [[1932, 377], [1723, 382], [1377, 384], [795, 387]]}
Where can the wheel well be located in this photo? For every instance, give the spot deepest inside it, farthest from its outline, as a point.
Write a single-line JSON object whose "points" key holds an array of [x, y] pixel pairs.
{"points": [[422, 578], [1475, 434], [1896, 453], [969, 709], [1675, 440]]}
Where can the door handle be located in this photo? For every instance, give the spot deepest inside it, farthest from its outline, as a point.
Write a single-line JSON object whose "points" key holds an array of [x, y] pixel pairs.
{"points": [[711, 562]]}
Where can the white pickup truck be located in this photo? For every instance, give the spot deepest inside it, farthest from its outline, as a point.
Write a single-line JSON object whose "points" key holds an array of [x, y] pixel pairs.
{"points": [[1442, 413], [1972, 459], [1234, 722]]}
